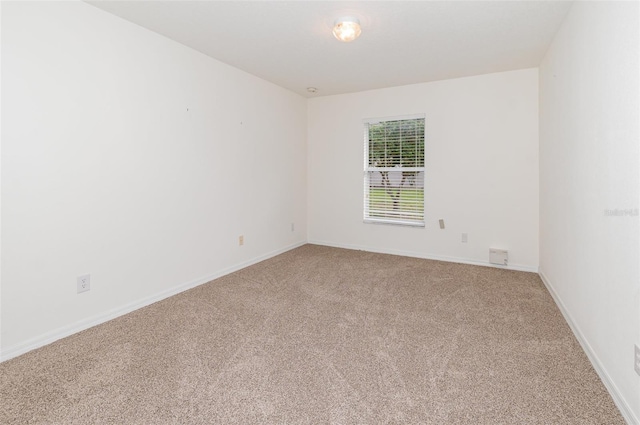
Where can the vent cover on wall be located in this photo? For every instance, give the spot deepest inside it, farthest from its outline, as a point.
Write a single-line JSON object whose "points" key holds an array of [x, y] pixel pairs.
{"points": [[498, 256]]}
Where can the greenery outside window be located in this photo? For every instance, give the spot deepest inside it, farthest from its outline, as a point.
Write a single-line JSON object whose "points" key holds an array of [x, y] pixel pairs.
{"points": [[394, 170]]}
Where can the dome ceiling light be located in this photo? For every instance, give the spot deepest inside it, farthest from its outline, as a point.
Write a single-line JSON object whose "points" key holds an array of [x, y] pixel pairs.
{"points": [[347, 29]]}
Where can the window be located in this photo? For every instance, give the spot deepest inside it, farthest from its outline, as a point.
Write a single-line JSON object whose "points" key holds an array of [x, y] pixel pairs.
{"points": [[394, 171]]}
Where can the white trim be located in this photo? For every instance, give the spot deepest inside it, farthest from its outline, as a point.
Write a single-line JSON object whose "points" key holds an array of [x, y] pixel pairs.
{"points": [[393, 222], [64, 331], [516, 267], [377, 120], [618, 399]]}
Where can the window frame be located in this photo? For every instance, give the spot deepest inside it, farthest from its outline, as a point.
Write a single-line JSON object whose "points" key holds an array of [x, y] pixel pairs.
{"points": [[420, 222]]}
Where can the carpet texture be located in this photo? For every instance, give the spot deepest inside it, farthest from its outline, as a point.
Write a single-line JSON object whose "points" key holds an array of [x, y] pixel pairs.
{"points": [[322, 335]]}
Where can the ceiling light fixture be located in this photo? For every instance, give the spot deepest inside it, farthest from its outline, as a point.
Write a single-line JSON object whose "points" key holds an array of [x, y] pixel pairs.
{"points": [[347, 29]]}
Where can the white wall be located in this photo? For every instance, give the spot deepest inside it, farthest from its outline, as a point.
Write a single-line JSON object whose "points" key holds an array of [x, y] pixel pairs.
{"points": [[588, 165], [481, 168], [0, 182], [135, 159]]}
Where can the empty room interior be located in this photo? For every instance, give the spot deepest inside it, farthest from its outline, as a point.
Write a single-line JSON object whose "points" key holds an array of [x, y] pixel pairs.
{"points": [[320, 212]]}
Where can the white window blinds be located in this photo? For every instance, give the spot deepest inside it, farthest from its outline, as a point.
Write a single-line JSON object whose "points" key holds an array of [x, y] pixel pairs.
{"points": [[394, 171]]}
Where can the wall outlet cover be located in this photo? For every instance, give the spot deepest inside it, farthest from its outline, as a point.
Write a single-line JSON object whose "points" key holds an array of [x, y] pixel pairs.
{"points": [[637, 360], [84, 283]]}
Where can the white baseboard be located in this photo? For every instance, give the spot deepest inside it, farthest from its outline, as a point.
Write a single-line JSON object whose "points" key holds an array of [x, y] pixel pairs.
{"points": [[517, 267], [617, 397], [62, 332]]}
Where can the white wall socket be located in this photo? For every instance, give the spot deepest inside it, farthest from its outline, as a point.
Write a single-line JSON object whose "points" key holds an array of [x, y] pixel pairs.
{"points": [[293, 227], [464, 238], [241, 240], [84, 283], [637, 360]]}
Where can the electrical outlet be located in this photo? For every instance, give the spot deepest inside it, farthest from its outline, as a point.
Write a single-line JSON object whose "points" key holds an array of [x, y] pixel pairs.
{"points": [[241, 240], [464, 238], [84, 283], [293, 227], [637, 362]]}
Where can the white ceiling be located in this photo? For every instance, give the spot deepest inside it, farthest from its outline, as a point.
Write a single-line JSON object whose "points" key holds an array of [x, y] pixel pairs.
{"points": [[403, 42]]}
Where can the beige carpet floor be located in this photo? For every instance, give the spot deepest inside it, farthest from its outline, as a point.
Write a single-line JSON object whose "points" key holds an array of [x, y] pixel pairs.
{"points": [[321, 335]]}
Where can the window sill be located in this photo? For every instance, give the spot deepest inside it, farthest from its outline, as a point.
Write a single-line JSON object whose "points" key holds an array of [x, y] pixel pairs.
{"points": [[394, 222]]}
